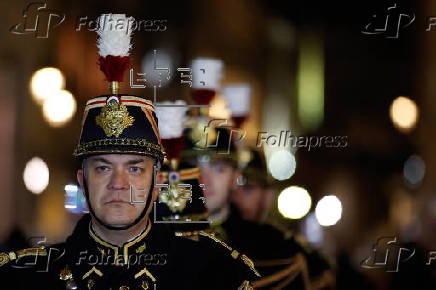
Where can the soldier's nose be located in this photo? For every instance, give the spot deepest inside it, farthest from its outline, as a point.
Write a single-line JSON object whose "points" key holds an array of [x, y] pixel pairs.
{"points": [[203, 172], [119, 180]]}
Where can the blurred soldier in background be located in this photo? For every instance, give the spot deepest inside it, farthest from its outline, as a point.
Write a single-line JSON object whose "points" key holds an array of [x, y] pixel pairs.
{"points": [[283, 263], [254, 196]]}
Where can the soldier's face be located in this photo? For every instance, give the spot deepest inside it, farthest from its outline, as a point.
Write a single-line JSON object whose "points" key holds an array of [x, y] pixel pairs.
{"points": [[248, 199], [114, 181], [219, 179], [253, 201]]}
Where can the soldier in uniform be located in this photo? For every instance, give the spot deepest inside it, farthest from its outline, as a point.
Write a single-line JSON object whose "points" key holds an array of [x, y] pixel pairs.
{"points": [[181, 200], [118, 245], [283, 262], [255, 194], [182, 206], [254, 199]]}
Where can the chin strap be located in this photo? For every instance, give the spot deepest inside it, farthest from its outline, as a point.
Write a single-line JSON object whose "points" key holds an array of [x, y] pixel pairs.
{"points": [[120, 228]]}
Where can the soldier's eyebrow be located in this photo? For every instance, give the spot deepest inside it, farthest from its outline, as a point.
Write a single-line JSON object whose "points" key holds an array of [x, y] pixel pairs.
{"points": [[100, 159], [129, 162], [135, 161]]}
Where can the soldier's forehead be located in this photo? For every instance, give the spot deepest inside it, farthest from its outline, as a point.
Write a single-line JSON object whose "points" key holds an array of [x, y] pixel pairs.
{"points": [[119, 157]]}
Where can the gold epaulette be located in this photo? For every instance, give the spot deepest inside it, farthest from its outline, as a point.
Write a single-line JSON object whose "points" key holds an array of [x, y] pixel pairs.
{"points": [[7, 257], [234, 253]]}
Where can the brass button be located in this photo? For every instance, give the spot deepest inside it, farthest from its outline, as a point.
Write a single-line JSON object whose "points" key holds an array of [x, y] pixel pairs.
{"points": [[71, 285], [144, 285], [65, 274], [90, 284], [4, 259]]}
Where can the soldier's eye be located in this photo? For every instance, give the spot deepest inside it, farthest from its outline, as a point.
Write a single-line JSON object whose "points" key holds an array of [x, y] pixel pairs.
{"points": [[218, 168], [102, 168], [135, 169]]}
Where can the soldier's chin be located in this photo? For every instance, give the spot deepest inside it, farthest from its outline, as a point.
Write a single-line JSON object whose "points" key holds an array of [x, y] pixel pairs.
{"points": [[119, 223], [118, 220]]}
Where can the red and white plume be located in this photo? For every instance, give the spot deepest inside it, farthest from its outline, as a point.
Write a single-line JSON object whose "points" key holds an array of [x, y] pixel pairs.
{"points": [[114, 44], [238, 99], [171, 116]]}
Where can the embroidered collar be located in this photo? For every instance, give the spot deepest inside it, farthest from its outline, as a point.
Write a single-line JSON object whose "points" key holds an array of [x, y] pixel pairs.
{"points": [[121, 254]]}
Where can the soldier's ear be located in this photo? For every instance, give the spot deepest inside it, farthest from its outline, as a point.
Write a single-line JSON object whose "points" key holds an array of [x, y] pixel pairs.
{"points": [[268, 199], [236, 174], [159, 179], [79, 176]]}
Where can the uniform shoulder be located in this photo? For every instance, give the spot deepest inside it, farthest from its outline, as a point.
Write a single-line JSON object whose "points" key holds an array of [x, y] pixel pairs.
{"points": [[225, 248], [14, 256], [218, 262], [33, 256], [32, 268]]}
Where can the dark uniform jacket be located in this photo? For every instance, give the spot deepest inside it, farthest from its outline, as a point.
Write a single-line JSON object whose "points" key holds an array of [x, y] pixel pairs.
{"points": [[283, 262], [154, 260]]}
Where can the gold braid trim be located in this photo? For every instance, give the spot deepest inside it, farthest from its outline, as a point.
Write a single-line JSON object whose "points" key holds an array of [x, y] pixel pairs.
{"points": [[245, 286], [234, 253], [147, 146], [250, 264], [31, 252], [93, 270], [211, 236], [289, 273], [192, 233], [7, 257], [140, 273], [187, 234], [326, 280]]}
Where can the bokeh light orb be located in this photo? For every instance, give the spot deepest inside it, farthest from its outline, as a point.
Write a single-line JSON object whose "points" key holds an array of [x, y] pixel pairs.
{"points": [[36, 175], [328, 211], [404, 113], [282, 164], [59, 108], [294, 202], [45, 82]]}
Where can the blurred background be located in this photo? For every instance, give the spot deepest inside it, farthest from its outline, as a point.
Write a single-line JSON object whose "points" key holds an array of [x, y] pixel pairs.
{"points": [[338, 71]]}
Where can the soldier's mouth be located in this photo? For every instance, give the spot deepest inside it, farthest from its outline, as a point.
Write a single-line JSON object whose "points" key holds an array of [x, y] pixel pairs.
{"points": [[117, 201]]}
